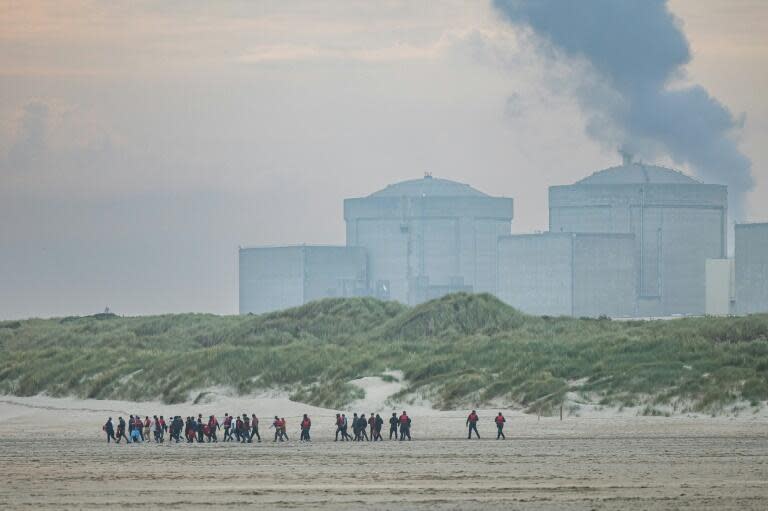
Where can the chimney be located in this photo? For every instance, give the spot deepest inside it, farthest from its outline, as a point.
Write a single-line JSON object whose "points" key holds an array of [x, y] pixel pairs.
{"points": [[626, 157]]}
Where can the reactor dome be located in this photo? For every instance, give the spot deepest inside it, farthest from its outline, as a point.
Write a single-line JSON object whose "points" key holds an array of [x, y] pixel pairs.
{"points": [[428, 186], [677, 223], [637, 173]]}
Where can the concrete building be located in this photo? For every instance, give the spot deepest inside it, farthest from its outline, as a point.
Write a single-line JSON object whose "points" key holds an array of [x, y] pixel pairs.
{"points": [[572, 274], [720, 286], [751, 268], [428, 237], [273, 278], [677, 222]]}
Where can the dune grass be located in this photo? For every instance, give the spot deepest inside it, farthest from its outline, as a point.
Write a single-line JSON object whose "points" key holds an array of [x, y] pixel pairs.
{"points": [[459, 350]]}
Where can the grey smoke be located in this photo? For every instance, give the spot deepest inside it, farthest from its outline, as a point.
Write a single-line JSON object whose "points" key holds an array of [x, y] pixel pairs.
{"points": [[633, 49]]}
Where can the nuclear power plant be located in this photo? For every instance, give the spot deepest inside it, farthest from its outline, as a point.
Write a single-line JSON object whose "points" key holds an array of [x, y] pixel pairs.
{"points": [[634, 240]]}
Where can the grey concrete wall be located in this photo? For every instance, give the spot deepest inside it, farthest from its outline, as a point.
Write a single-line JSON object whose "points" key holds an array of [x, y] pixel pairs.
{"points": [[568, 274], [274, 278], [334, 272], [677, 227], [719, 285], [604, 269], [270, 278], [534, 273], [437, 242], [751, 253]]}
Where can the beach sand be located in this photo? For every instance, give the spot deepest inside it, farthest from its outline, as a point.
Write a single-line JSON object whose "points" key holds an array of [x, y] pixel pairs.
{"points": [[54, 456]]}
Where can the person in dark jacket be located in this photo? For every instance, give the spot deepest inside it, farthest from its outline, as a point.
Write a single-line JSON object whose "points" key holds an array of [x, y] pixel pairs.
{"points": [[121, 431], [362, 425], [393, 426], [377, 425], [199, 428], [109, 429], [254, 428]]}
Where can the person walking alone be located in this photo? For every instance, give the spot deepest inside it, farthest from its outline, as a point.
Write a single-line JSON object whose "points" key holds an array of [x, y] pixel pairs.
{"points": [[500, 420], [472, 423], [306, 423]]}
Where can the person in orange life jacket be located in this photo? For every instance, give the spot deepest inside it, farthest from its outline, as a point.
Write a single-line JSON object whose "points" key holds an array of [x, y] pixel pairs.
{"points": [[378, 424], [245, 433], [109, 429], [213, 425], [306, 423], [372, 426], [472, 423], [254, 428], [500, 420], [284, 428], [405, 426], [227, 426], [189, 430], [393, 426]]}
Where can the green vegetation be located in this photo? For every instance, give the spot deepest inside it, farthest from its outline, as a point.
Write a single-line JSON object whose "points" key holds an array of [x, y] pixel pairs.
{"points": [[458, 350]]}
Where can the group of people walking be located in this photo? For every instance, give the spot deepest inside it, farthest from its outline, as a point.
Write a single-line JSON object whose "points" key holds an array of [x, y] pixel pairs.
{"points": [[473, 419], [374, 425], [244, 429]]}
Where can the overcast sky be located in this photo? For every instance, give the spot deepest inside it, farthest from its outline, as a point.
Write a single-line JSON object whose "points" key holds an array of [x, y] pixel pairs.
{"points": [[142, 142]]}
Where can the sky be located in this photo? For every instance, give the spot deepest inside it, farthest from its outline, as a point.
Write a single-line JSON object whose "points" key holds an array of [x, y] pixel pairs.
{"points": [[142, 142]]}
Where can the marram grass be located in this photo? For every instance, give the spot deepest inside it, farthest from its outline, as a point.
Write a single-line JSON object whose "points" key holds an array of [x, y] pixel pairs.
{"points": [[460, 349]]}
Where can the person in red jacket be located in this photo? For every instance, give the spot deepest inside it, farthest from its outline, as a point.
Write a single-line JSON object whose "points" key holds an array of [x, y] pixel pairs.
{"points": [[405, 426], [306, 423], [500, 420], [472, 423], [213, 426]]}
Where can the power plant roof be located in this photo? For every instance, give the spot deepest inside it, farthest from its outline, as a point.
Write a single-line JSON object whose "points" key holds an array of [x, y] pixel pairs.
{"points": [[637, 173], [428, 186]]}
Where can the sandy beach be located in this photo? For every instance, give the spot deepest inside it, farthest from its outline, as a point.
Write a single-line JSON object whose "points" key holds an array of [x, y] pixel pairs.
{"points": [[56, 457]]}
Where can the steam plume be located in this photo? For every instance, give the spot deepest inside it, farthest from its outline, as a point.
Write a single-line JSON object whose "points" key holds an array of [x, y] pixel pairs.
{"points": [[633, 49]]}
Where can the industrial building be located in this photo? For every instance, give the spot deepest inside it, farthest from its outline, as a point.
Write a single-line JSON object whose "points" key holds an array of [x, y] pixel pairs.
{"points": [[428, 237], [751, 268], [633, 240], [569, 274], [678, 223], [273, 278]]}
